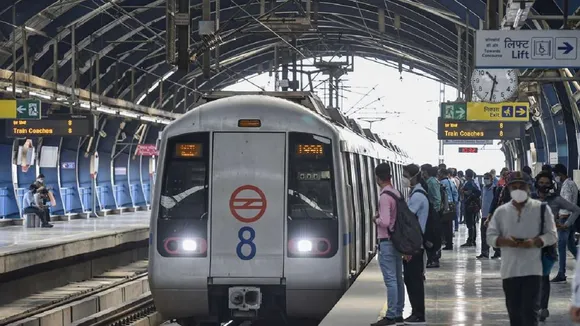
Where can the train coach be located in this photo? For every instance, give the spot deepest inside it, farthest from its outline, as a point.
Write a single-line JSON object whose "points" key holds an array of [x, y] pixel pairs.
{"points": [[262, 208]]}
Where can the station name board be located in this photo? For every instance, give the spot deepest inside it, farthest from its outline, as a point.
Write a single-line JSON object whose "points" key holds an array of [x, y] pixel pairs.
{"points": [[479, 130], [53, 126]]}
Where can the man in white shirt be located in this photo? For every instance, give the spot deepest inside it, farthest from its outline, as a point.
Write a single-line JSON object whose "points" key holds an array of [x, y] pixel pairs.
{"points": [[568, 191], [517, 229]]}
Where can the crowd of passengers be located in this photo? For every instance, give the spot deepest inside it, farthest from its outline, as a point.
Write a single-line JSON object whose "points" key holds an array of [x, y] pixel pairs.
{"points": [[529, 222]]}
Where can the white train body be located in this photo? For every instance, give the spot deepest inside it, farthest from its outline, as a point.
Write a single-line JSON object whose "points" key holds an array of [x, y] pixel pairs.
{"points": [[262, 207]]}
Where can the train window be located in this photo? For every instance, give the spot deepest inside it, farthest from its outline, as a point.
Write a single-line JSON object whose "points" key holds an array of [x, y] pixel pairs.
{"points": [[184, 190], [310, 178]]}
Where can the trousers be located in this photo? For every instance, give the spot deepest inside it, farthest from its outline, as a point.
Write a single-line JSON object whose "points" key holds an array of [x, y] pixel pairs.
{"points": [[413, 275], [521, 299]]}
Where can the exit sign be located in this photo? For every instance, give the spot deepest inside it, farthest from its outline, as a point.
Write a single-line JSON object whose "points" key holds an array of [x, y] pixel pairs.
{"points": [[468, 149]]}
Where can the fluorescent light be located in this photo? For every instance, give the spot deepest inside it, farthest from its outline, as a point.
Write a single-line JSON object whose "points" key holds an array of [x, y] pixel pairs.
{"points": [[85, 105], [153, 87], [106, 110], [148, 118], [128, 114], [167, 75], [18, 90], [141, 98], [44, 96]]}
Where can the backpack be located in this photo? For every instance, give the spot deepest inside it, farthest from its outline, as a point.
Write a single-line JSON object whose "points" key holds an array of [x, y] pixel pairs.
{"points": [[444, 200], [406, 236], [432, 235]]}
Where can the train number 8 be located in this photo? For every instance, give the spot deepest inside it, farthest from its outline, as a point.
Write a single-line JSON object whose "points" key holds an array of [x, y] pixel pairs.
{"points": [[249, 241]]}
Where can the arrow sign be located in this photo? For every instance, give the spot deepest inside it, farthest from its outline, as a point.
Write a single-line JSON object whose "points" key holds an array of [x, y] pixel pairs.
{"points": [[460, 113], [521, 111], [567, 48], [21, 109]]}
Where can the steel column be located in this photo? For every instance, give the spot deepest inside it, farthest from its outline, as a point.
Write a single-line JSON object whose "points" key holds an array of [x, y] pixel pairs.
{"points": [[206, 16], [459, 66], [73, 61], [14, 51], [98, 74]]}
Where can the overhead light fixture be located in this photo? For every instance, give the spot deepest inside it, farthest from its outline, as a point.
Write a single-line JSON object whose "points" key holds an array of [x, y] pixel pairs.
{"points": [[141, 98], [106, 110], [128, 114], [18, 90], [148, 118], [85, 105]]}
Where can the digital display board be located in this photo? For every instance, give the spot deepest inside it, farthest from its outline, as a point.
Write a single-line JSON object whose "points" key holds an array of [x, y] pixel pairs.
{"points": [[307, 150], [468, 149], [74, 125], [480, 130], [188, 150]]}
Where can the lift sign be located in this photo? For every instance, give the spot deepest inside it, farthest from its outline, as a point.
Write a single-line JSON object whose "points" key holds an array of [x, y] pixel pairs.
{"points": [[247, 205]]}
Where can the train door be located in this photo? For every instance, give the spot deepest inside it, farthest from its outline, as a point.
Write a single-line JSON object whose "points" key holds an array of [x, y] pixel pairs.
{"points": [[367, 215], [248, 205], [355, 218]]}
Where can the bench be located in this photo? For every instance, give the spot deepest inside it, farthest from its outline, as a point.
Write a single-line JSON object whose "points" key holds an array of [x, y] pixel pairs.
{"points": [[31, 220]]}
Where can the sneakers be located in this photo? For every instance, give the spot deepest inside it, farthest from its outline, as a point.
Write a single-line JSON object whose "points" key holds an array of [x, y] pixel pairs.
{"points": [[386, 321], [47, 225], [414, 320], [495, 256], [482, 256], [400, 321], [559, 279], [544, 313], [468, 244], [433, 265]]}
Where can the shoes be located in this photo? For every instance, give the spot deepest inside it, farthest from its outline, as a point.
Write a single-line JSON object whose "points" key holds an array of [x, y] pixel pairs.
{"points": [[482, 256], [414, 320], [400, 321], [544, 313], [447, 248], [468, 244], [559, 279], [47, 225], [495, 255], [385, 322], [433, 265]]}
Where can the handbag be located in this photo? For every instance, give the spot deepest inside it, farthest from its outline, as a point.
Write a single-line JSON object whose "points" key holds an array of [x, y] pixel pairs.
{"points": [[549, 252]]}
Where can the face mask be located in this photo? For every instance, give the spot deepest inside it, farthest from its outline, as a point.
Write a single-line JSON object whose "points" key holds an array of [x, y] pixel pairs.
{"points": [[519, 195], [41, 180], [558, 179], [406, 183], [544, 189], [487, 182]]}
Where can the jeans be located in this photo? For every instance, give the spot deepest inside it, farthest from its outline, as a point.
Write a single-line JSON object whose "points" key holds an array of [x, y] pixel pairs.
{"points": [[413, 271], [547, 265], [565, 239], [470, 222], [391, 265], [484, 246], [521, 299]]}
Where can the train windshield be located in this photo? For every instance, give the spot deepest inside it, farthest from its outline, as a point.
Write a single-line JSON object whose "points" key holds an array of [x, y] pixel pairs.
{"points": [[310, 178], [184, 192]]}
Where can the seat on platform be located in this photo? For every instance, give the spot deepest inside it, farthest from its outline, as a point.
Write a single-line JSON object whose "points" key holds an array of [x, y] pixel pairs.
{"points": [[31, 220]]}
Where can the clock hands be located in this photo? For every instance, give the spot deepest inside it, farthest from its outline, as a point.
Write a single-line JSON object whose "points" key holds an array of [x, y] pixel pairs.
{"points": [[494, 80]]}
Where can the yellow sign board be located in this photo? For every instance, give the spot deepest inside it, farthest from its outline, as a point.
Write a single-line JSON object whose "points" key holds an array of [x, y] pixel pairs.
{"points": [[7, 109], [506, 111]]}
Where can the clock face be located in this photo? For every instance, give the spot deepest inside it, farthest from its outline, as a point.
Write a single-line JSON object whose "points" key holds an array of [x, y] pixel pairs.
{"points": [[494, 85]]}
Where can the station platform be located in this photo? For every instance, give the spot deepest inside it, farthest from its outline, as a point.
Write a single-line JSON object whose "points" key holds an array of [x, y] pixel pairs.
{"points": [[464, 291], [22, 247]]}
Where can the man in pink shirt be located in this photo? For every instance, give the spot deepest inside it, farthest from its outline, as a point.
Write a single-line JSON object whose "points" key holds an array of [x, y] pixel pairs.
{"points": [[390, 260]]}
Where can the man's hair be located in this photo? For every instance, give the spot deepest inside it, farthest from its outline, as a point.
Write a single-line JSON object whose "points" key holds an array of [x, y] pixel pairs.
{"points": [[487, 175], [412, 169], [469, 173], [460, 174], [33, 187], [560, 169], [443, 172], [443, 166], [527, 169], [383, 172], [40, 176], [452, 172], [547, 167], [492, 171], [432, 172], [545, 174], [426, 167]]}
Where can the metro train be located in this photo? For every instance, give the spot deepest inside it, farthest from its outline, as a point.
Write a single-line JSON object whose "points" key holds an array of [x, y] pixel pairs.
{"points": [[262, 208]]}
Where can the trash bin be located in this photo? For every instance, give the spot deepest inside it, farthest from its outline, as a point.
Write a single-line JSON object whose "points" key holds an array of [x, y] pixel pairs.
{"points": [[31, 220]]}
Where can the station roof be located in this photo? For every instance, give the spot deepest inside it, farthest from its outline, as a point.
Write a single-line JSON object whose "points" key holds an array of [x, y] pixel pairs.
{"points": [[129, 35]]}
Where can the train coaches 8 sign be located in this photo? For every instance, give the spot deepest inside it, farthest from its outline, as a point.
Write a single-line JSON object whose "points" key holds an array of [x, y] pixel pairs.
{"points": [[72, 125], [247, 204]]}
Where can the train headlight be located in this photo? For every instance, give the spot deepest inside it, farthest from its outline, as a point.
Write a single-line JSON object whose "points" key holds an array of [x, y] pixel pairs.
{"points": [[189, 245], [304, 246]]}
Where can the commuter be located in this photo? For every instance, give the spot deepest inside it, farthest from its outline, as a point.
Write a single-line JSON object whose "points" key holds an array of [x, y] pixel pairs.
{"points": [[390, 260], [487, 196], [565, 225], [433, 188], [527, 170], [575, 306], [544, 183], [413, 265], [494, 177], [517, 228], [557, 183], [502, 176], [471, 195], [461, 211], [442, 166], [501, 196], [448, 217], [32, 204]]}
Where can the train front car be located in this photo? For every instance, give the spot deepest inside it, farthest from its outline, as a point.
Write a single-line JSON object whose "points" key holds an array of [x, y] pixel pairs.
{"points": [[245, 215]]}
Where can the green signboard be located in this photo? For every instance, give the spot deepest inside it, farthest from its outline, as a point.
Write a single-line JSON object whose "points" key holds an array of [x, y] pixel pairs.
{"points": [[28, 109], [454, 111]]}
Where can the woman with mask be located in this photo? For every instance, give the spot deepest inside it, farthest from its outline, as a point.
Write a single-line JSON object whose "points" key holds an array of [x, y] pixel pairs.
{"points": [[544, 185]]}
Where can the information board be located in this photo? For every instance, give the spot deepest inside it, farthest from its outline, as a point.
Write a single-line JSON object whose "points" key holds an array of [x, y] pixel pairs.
{"points": [[52, 126], [506, 111], [479, 130]]}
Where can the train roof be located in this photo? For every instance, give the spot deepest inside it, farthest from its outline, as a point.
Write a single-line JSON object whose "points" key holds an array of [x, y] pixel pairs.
{"points": [[314, 104]]}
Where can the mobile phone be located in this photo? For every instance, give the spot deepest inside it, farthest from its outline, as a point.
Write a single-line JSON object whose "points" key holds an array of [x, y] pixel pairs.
{"points": [[519, 239]]}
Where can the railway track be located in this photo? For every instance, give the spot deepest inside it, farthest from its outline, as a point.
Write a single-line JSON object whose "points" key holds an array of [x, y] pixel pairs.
{"points": [[78, 301]]}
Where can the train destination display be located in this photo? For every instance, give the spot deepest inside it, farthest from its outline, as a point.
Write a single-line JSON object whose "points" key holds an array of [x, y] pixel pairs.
{"points": [[52, 126], [479, 130]]}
